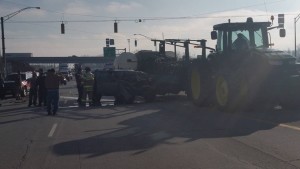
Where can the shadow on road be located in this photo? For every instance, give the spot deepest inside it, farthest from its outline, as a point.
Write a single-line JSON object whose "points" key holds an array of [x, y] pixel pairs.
{"points": [[176, 119]]}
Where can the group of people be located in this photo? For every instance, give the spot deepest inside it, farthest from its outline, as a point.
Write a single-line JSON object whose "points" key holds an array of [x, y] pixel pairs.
{"points": [[46, 89], [85, 86], [37, 89]]}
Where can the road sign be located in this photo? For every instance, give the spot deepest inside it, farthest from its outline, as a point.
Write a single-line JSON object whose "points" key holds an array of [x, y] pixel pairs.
{"points": [[109, 52]]}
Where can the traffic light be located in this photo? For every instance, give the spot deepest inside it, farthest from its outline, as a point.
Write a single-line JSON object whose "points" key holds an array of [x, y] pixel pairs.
{"points": [[62, 28], [135, 43], [116, 27]]}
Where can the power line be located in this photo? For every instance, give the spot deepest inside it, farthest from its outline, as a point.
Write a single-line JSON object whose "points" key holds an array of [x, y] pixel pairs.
{"points": [[148, 19]]}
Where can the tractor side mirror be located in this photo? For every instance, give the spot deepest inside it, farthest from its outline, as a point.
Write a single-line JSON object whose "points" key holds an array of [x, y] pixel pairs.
{"points": [[282, 33], [214, 35]]}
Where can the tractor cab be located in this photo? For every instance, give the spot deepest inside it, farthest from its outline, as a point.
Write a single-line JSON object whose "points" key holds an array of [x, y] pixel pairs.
{"points": [[249, 42], [242, 35]]}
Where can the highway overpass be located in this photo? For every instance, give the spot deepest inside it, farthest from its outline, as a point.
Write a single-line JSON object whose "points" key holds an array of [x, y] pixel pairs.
{"points": [[83, 59]]}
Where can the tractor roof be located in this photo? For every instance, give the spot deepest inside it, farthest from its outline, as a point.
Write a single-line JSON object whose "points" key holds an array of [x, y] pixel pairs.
{"points": [[241, 25]]}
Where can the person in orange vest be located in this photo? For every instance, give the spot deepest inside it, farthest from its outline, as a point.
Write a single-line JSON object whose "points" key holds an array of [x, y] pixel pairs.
{"points": [[88, 85]]}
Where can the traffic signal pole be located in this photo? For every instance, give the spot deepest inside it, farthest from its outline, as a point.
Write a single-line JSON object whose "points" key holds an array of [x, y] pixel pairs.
{"points": [[3, 47]]}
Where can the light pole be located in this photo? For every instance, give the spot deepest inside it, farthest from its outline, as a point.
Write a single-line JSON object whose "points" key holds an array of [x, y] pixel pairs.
{"points": [[3, 19], [147, 37], [295, 22], [128, 44]]}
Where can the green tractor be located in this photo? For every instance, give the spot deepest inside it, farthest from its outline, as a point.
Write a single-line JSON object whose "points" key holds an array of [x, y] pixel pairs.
{"points": [[243, 71]]}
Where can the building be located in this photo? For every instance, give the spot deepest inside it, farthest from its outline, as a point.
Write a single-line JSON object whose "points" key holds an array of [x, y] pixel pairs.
{"points": [[15, 66]]}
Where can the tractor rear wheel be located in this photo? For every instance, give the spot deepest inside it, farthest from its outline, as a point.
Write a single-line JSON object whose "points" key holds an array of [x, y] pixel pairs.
{"points": [[231, 93], [198, 88]]}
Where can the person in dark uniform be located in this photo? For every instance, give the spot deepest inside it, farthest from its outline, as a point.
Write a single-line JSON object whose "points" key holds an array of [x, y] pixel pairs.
{"points": [[78, 77], [32, 90], [40, 82], [18, 85]]}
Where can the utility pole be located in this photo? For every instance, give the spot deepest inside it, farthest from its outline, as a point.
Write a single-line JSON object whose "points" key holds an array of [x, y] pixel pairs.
{"points": [[3, 19], [3, 47], [295, 27]]}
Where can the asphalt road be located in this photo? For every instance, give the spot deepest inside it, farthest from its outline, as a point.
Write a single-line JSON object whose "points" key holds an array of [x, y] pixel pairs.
{"points": [[170, 133]]}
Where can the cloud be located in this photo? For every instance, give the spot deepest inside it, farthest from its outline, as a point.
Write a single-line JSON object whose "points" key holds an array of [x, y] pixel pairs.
{"points": [[78, 8], [119, 7]]}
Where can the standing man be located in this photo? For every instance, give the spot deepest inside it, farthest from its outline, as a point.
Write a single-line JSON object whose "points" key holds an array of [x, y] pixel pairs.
{"points": [[40, 82], [32, 90], [18, 85], [78, 77], [88, 84], [52, 85]]}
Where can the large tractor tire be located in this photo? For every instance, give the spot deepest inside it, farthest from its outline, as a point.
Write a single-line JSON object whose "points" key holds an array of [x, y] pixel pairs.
{"points": [[231, 93], [290, 95], [126, 93], [198, 88]]}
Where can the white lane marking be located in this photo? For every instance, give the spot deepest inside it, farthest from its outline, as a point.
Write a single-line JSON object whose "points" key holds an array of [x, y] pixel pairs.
{"points": [[67, 97], [52, 130], [273, 123], [290, 127], [75, 98]]}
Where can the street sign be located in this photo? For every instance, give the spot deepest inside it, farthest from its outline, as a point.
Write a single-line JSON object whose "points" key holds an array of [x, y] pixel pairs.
{"points": [[109, 52]]}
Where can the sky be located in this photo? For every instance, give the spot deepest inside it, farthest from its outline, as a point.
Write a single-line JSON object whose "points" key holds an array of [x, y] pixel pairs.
{"points": [[89, 22]]}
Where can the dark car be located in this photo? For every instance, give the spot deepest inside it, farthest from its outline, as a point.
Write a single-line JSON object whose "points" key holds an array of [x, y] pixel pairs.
{"points": [[10, 84], [64, 81], [67, 75], [124, 85]]}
